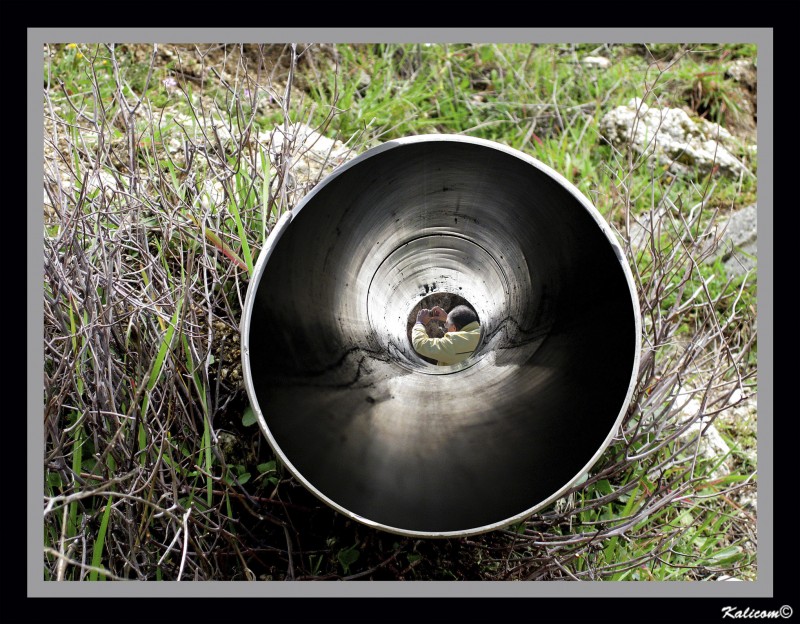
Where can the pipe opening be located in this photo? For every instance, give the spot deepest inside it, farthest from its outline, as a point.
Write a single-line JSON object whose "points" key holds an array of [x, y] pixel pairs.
{"points": [[436, 329], [348, 405], [452, 261]]}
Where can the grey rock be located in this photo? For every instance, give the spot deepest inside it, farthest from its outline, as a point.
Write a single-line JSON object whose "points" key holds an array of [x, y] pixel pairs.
{"points": [[742, 260], [673, 139], [642, 226], [738, 247], [743, 71], [740, 228], [736, 238]]}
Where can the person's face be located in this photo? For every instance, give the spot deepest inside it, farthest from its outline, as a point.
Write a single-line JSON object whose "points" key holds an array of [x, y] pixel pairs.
{"points": [[449, 327]]}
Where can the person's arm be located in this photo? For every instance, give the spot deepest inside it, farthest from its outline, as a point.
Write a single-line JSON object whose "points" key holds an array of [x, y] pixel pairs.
{"points": [[440, 349], [423, 316]]}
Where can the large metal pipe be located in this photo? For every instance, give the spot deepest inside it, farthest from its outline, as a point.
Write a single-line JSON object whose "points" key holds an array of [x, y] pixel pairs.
{"points": [[389, 439]]}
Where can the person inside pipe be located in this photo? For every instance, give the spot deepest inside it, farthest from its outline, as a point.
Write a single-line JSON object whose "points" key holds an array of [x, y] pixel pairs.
{"points": [[461, 338]]}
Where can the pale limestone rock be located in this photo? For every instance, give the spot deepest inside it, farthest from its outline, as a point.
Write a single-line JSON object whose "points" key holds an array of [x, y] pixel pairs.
{"points": [[674, 139], [212, 194], [596, 61], [313, 154]]}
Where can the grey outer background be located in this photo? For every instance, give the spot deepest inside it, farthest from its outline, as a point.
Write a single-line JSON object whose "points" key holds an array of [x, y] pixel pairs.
{"points": [[763, 587]]}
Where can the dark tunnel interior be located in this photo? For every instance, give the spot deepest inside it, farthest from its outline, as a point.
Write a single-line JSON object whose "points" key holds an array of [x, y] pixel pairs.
{"points": [[389, 439]]}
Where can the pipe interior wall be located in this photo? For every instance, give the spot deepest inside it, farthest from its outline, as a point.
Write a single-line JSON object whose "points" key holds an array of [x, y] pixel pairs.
{"points": [[386, 437]]}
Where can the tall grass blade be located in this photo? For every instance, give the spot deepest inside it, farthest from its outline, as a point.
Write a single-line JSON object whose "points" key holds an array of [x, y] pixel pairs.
{"points": [[97, 551], [248, 258]]}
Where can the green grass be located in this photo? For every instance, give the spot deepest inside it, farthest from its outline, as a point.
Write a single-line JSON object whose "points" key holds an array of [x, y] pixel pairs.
{"points": [[538, 99], [186, 253]]}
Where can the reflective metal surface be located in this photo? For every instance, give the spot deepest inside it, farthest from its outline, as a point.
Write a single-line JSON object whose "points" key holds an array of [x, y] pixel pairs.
{"points": [[397, 443]]}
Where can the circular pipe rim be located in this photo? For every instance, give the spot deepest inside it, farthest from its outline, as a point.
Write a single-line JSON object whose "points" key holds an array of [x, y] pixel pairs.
{"points": [[274, 237]]}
